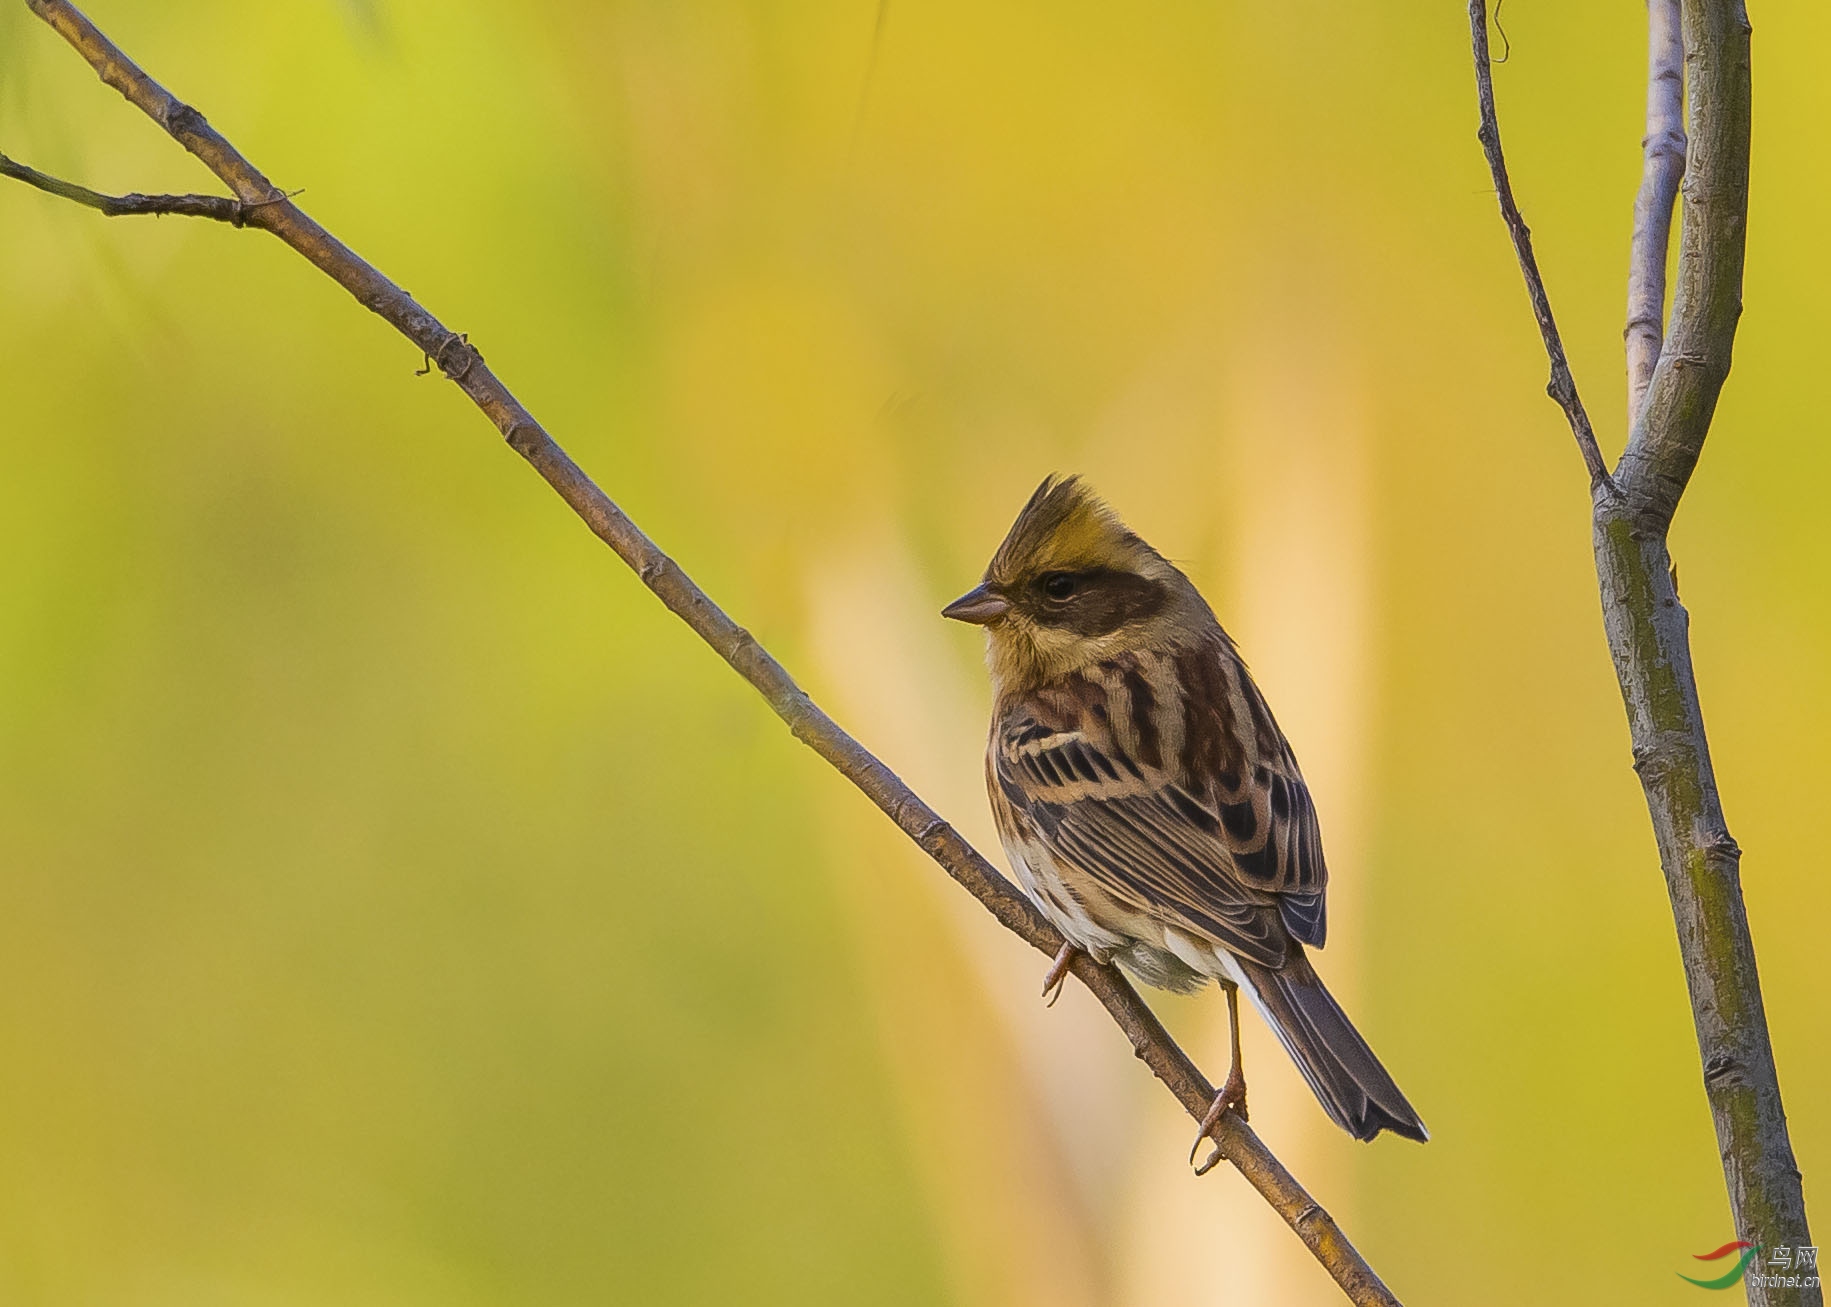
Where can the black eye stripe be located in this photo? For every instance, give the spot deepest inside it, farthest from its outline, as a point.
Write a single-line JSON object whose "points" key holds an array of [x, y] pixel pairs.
{"points": [[1063, 585], [1095, 601]]}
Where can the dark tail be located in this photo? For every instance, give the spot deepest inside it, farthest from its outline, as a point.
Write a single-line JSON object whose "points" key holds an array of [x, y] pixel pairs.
{"points": [[1347, 1078]]}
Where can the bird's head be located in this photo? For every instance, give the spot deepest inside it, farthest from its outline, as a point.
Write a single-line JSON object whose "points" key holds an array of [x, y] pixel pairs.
{"points": [[1071, 585]]}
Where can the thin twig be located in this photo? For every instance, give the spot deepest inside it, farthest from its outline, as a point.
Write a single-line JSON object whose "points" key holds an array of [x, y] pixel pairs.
{"points": [[1649, 631], [464, 365], [217, 208], [1663, 148], [1562, 386]]}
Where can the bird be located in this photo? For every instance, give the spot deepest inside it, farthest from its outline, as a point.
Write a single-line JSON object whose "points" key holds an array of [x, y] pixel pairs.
{"points": [[1147, 800]]}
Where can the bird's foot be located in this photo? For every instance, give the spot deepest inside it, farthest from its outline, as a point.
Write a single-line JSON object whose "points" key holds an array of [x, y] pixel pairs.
{"points": [[1058, 972], [1232, 1095]]}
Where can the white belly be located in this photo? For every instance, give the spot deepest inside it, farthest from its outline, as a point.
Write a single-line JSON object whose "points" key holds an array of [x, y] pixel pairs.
{"points": [[1160, 956]]}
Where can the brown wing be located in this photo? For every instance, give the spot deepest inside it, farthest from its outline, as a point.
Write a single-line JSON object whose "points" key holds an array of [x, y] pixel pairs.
{"points": [[1234, 756], [1173, 815], [1126, 825]]}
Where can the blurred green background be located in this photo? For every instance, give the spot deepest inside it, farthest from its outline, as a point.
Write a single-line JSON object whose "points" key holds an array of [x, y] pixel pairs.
{"points": [[398, 906]]}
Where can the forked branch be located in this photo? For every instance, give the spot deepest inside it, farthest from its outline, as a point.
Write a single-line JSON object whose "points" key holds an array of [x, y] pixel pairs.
{"points": [[217, 208], [265, 208], [1647, 627]]}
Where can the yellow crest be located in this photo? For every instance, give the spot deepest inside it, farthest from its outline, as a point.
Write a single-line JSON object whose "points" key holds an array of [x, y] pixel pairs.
{"points": [[1066, 527]]}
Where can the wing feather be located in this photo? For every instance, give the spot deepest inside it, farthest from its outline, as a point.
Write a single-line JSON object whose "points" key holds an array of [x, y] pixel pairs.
{"points": [[1218, 836]]}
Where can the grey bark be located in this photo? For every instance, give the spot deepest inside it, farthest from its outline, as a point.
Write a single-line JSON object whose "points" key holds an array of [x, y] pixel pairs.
{"points": [[1647, 626]]}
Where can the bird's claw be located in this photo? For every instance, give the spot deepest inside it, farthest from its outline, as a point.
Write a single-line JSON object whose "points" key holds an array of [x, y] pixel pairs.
{"points": [[1058, 973], [1232, 1096]]}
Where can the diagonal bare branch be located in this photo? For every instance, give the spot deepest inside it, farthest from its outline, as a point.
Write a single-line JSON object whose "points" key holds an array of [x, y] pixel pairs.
{"points": [[1664, 150], [1562, 386], [463, 364]]}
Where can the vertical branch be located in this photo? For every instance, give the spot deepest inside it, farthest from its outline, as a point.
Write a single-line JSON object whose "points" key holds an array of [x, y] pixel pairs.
{"points": [[1649, 638], [1648, 629], [1663, 148]]}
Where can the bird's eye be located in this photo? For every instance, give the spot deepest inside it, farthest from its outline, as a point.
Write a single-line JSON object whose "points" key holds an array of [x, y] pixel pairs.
{"points": [[1059, 585]]}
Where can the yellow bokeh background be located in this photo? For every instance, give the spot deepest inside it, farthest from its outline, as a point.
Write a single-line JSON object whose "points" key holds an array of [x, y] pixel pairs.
{"points": [[398, 906]]}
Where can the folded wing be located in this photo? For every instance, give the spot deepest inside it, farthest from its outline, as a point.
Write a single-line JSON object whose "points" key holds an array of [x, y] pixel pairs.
{"points": [[1217, 837]]}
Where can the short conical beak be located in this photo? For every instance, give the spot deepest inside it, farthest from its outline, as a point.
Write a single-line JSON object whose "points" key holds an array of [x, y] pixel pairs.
{"points": [[980, 606]]}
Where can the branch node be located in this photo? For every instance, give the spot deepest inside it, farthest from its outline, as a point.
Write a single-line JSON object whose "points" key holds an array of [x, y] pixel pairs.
{"points": [[181, 120], [1722, 854], [1722, 1070], [467, 355], [651, 569], [241, 209], [744, 646], [1722, 842]]}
